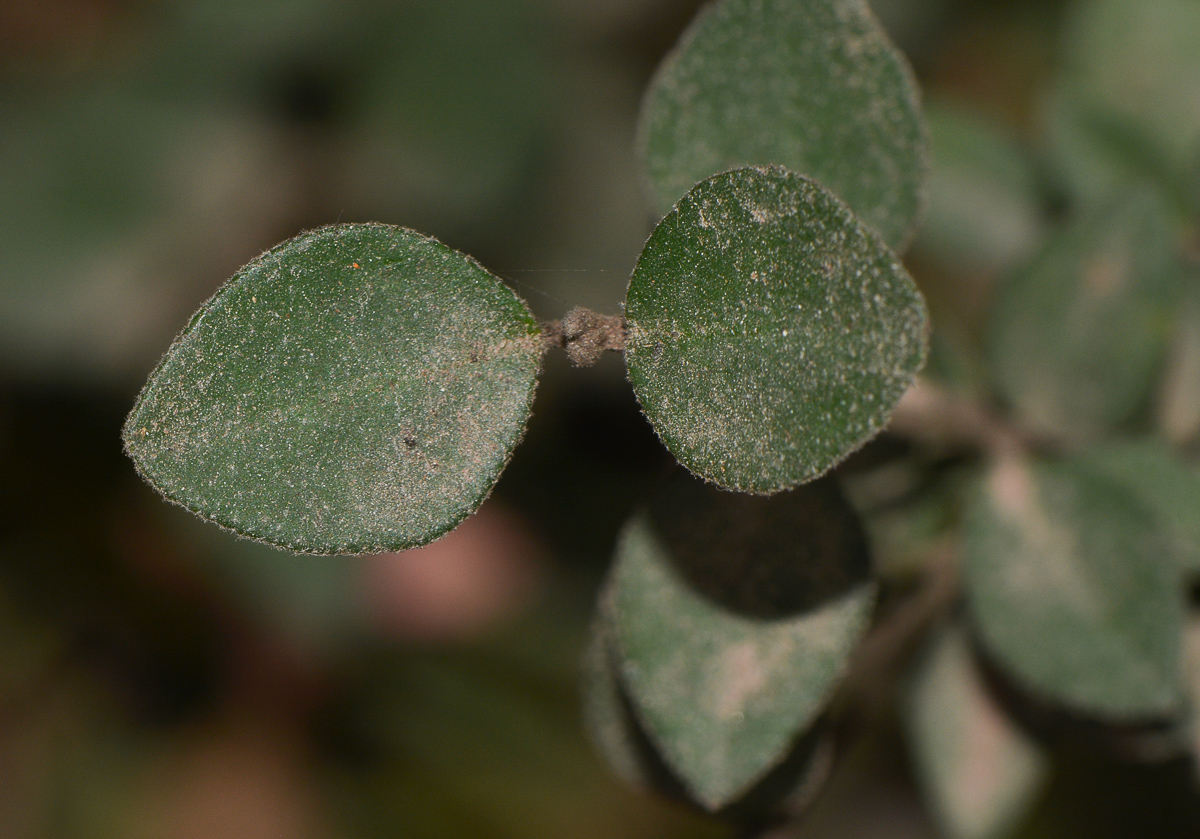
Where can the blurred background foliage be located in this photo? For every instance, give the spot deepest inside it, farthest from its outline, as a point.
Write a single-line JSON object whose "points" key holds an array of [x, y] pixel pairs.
{"points": [[160, 678]]}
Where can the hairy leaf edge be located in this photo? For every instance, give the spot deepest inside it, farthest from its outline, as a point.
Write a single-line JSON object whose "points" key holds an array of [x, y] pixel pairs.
{"points": [[127, 429]]}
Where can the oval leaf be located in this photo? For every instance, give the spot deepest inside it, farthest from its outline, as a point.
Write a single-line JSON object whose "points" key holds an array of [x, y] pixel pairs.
{"points": [[355, 389], [978, 770], [1078, 337], [813, 86], [1073, 593], [770, 334], [734, 618]]}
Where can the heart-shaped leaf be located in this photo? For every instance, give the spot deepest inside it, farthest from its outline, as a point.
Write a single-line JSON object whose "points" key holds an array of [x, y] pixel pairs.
{"points": [[812, 85], [1073, 593], [357, 388], [769, 333], [734, 617]]}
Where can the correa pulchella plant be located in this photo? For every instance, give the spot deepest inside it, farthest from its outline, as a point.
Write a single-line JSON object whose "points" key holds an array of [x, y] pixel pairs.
{"points": [[359, 388]]}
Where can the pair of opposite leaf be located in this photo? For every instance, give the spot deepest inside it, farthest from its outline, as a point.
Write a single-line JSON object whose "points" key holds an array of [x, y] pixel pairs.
{"points": [[360, 387]]}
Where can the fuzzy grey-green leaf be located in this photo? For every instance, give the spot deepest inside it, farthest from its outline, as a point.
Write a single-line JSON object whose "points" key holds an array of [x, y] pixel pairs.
{"points": [[1073, 593], [357, 388], [813, 85], [734, 617], [769, 333]]}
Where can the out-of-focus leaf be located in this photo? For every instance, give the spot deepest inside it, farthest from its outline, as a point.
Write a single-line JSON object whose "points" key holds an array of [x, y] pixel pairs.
{"points": [[984, 214], [734, 618], [905, 537], [789, 787], [955, 358], [355, 389], [770, 334], [1136, 61], [1096, 153], [1179, 394], [118, 206], [608, 720], [222, 46], [72, 763], [813, 86], [979, 772], [1077, 337], [1164, 485], [1073, 593]]}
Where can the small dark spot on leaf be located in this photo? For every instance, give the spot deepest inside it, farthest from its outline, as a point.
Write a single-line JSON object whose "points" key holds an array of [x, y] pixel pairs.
{"points": [[410, 441]]}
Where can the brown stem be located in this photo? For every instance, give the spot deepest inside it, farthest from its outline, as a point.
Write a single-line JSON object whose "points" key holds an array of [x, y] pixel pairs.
{"points": [[933, 415], [878, 662], [586, 335]]}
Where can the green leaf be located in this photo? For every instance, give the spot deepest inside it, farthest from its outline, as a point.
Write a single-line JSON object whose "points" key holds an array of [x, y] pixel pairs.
{"points": [[1136, 60], [984, 214], [770, 334], [1073, 593], [791, 786], [734, 618], [812, 85], [355, 389], [123, 205], [1078, 336], [1165, 486], [979, 772]]}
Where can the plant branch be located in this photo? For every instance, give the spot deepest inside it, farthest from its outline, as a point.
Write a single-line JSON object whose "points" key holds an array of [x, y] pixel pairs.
{"points": [[878, 662], [586, 335], [932, 415]]}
